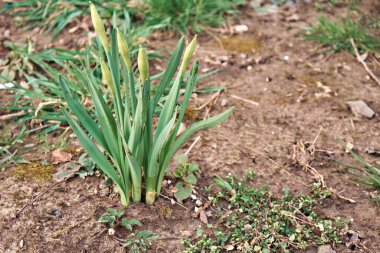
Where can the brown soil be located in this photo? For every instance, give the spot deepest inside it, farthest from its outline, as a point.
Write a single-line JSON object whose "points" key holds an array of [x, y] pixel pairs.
{"points": [[300, 94]]}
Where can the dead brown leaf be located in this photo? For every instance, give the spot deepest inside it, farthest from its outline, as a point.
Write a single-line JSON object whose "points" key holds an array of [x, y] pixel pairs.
{"points": [[59, 156]]}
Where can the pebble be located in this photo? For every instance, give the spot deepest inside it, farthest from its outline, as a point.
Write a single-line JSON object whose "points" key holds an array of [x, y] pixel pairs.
{"points": [[223, 102], [57, 213], [111, 231], [359, 107], [325, 249], [186, 233], [198, 202]]}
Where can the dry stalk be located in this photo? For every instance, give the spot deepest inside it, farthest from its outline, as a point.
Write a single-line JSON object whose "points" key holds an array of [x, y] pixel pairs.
{"points": [[359, 58]]}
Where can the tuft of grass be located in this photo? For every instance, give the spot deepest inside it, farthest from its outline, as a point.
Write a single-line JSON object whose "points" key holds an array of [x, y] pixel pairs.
{"points": [[194, 15], [335, 36], [365, 174], [255, 221], [54, 16]]}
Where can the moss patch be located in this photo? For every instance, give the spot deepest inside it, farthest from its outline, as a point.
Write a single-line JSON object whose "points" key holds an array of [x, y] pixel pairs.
{"points": [[34, 171], [241, 45]]}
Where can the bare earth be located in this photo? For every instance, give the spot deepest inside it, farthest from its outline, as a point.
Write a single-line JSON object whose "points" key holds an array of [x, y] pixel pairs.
{"points": [[301, 97]]}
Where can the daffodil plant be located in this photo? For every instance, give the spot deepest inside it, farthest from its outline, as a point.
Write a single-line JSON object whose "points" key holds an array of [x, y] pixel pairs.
{"points": [[120, 136]]}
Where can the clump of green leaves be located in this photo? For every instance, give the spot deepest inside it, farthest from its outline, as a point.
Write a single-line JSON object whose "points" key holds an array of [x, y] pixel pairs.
{"points": [[184, 15], [135, 152], [187, 174], [255, 221], [136, 241], [335, 36]]}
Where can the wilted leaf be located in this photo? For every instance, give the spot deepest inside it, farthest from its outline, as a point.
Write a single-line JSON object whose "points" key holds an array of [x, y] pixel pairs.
{"points": [[59, 156], [203, 217]]}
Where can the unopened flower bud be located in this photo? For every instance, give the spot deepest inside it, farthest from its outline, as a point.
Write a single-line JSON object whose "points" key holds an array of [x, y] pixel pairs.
{"points": [[143, 64], [99, 27], [124, 51]]}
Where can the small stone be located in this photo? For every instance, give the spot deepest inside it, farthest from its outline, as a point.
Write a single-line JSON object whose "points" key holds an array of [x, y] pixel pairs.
{"points": [[7, 33], [243, 56], [172, 201], [223, 102], [57, 214], [325, 249], [203, 217], [241, 28], [21, 244], [186, 233], [111, 231], [198, 202], [193, 197], [249, 68], [349, 147], [359, 107]]}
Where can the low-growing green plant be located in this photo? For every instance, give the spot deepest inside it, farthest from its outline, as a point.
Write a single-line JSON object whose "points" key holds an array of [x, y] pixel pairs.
{"points": [[54, 16], [335, 36], [366, 174], [184, 15], [255, 221], [187, 174], [124, 129], [8, 143], [323, 5], [136, 241]]}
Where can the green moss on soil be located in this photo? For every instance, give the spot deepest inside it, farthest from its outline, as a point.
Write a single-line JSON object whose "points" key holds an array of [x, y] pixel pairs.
{"points": [[34, 171]]}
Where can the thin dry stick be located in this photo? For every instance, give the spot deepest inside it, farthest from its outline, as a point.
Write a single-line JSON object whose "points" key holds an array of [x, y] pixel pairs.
{"points": [[39, 196], [36, 198], [9, 116], [166, 197], [245, 100], [374, 77], [192, 145], [210, 101]]}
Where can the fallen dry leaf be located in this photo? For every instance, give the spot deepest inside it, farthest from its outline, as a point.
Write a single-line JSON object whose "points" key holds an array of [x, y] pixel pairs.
{"points": [[59, 156]]}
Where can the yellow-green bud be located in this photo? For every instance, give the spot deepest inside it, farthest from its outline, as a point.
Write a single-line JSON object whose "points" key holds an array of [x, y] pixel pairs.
{"points": [[142, 62], [188, 55], [99, 27], [124, 51], [107, 76]]}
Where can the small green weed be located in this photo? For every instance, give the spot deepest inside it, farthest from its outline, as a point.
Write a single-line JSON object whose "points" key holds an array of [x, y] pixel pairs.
{"points": [[184, 15], [365, 174], [8, 146], [188, 176], [326, 4], [136, 241], [335, 36], [255, 221]]}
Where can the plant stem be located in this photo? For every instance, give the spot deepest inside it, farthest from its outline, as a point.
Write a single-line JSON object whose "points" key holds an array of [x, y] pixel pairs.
{"points": [[150, 195]]}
